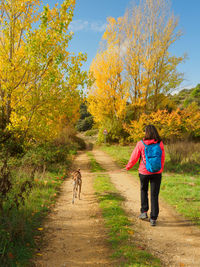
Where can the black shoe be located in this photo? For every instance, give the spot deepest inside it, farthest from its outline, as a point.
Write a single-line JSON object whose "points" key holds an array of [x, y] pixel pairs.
{"points": [[152, 222], [143, 216]]}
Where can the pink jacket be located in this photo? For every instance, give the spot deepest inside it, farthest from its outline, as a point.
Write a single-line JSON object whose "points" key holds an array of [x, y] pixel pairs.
{"points": [[139, 150]]}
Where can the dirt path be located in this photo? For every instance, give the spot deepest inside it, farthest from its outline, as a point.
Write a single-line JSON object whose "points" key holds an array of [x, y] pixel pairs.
{"points": [[74, 234], [174, 240]]}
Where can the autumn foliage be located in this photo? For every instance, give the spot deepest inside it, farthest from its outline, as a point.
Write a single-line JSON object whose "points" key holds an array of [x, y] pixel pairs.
{"points": [[39, 76], [134, 74], [177, 124], [40, 82]]}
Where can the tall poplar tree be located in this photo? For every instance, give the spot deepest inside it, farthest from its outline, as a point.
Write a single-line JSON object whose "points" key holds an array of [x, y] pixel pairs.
{"points": [[142, 39], [150, 29]]}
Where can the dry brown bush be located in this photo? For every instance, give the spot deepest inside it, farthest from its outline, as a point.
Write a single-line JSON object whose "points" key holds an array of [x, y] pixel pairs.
{"points": [[184, 152]]}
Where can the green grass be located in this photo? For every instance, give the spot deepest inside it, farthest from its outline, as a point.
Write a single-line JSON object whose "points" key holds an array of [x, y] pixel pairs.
{"points": [[181, 190], [121, 154], [91, 132], [95, 166], [20, 236], [120, 228]]}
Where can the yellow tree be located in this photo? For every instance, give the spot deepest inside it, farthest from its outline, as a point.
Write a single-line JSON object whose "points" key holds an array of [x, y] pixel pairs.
{"points": [[39, 78], [178, 124], [142, 38], [160, 65], [37, 73], [16, 19], [107, 97], [133, 40], [149, 30]]}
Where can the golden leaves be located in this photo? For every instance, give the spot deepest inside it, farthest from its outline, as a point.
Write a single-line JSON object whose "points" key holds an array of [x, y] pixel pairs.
{"points": [[178, 123], [107, 97], [39, 78], [143, 37], [134, 71]]}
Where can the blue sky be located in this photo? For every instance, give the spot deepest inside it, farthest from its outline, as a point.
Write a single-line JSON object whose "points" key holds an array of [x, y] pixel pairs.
{"points": [[89, 23]]}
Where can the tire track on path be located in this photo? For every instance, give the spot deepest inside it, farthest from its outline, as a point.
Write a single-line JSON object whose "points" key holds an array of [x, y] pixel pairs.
{"points": [[74, 234], [174, 240]]}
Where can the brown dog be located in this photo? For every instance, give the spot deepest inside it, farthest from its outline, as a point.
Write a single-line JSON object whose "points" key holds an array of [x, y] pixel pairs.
{"points": [[77, 183]]}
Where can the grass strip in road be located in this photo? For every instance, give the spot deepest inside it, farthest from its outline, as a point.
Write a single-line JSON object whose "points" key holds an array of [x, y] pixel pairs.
{"points": [[121, 232], [180, 190], [95, 166]]}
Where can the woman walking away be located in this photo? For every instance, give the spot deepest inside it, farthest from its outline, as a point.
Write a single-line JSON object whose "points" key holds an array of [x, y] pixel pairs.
{"points": [[151, 153]]}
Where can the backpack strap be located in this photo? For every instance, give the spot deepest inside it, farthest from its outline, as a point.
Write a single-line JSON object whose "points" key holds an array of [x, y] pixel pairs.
{"points": [[144, 143], [141, 154]]}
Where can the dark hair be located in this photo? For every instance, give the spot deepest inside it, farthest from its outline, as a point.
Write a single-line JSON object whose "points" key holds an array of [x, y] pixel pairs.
{"points": [[151, 133]]}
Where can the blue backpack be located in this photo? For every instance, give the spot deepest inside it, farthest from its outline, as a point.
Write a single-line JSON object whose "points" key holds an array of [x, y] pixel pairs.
{"points": [[153, 154]]}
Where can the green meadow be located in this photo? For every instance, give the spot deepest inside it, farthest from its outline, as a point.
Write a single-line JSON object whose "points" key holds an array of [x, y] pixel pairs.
{"points": [[180, 183]]}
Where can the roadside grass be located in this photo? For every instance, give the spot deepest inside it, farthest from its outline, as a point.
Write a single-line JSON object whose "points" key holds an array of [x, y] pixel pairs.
{"points": [[184, 157], [21, 228], [183, 193], [121, 229], [121, 154], [180, 190]]}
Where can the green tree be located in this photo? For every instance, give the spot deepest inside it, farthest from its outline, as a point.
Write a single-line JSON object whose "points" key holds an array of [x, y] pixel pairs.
{"points": [[86, 119]]}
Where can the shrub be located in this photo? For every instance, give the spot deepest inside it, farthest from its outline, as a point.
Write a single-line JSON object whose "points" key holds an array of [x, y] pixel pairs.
{"points": [[184, 152], [116, 132], [69, 139], [91, 132], [11, 144], [45, 154], [178, 124], [79, 143], [85, 124]]}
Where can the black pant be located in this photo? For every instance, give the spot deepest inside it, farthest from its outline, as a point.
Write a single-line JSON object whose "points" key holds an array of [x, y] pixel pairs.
{"points": [[155, 181]]}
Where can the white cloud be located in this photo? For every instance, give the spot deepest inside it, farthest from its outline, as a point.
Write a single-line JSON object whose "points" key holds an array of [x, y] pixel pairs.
{"points": [[98, 26], [84, 25], [123, 48]]}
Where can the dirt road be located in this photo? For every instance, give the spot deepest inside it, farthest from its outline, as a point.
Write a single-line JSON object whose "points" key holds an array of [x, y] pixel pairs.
{"points": [[75, 234], [174, 240]]}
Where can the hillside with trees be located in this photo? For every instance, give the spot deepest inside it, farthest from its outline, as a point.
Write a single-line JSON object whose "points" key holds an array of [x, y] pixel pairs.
{"points": [[187, 96]]}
